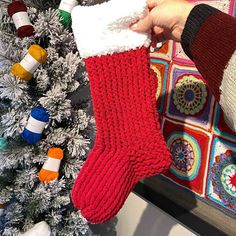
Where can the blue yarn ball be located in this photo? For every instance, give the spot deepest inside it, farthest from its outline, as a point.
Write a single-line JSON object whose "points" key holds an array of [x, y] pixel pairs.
{"points": [[3, 143], [40, 114], [30, 137]]}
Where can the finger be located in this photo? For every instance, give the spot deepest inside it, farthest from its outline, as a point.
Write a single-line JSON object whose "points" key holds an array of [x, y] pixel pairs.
{"points": [[152, 3], [143, 25], [158, 30]]}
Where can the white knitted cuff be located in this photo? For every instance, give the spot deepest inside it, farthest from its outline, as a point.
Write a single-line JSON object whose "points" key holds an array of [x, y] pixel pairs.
{"points": [[228, 93], [105, 28]]}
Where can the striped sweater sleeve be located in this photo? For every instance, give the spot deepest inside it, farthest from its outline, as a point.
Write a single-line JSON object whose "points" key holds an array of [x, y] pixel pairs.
{"points": [[209, 39]]}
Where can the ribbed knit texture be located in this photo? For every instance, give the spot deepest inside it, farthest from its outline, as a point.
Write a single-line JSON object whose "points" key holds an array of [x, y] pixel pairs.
{"points": [[212, 43], [196, 18], [129, 145]]}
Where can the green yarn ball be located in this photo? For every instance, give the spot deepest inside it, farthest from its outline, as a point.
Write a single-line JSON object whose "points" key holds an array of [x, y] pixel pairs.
{"points": [[3, 143], [65, 18]]}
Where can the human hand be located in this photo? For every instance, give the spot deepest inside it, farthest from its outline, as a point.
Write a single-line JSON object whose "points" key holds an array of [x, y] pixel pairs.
{"points": [[166, 18]]}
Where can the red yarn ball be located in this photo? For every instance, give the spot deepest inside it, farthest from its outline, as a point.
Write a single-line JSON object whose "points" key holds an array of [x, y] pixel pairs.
{"points": [[16, 6], [25, 31], [19, 6]]}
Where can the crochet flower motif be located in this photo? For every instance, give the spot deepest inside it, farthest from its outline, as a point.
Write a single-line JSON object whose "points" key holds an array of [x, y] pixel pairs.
{"points": [[158, 75], [190, 94], [223, 177], [186, 155]]}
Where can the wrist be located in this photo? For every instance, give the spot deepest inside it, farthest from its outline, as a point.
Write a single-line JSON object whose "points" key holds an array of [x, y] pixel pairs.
{"points": [[198, 15], [185, 12]]}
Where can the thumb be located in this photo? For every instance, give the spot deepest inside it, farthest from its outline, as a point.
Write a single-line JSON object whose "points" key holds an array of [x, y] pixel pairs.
{"points": [[143, 25]]}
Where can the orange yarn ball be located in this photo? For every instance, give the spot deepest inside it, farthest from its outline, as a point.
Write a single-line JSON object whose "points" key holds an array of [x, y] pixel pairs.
{"points": [[46, 175], [56, 153]]}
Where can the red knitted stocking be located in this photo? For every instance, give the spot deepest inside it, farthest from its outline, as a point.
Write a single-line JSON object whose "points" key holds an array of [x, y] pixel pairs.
{"points": [[129, 145]]}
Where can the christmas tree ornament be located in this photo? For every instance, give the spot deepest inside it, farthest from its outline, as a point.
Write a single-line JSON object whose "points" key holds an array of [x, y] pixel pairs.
{"points": [[50, 169], [32, 133], [65, 9], [3, 143], [39, 229], [34, 58], [18, 11], [129, 144]]}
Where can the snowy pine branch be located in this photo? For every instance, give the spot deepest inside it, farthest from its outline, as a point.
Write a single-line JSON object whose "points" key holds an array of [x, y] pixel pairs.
{"points": [[26, 199]]}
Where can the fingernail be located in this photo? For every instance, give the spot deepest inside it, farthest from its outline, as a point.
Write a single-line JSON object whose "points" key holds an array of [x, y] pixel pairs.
{"points": [[134, 27]]}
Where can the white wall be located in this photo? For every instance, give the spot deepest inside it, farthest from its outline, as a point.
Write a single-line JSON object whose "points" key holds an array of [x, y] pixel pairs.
{"points": [[138, 218]]}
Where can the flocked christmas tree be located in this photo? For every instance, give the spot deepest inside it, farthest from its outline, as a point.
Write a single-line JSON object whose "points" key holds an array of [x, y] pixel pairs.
{"points": [[25, 198]]}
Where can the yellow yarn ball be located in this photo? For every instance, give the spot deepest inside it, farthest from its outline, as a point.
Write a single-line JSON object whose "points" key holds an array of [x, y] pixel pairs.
{"points": [[20, 72], [38, 53]]}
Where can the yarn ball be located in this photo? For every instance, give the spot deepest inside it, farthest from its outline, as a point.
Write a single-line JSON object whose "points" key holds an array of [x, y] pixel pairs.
{"points": [[16, 6], [3, 143], [20, 72], [19, 6], [56, 153], [49, 175], [40, 114], [25, 31], [65, 18], [38, 53]]}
